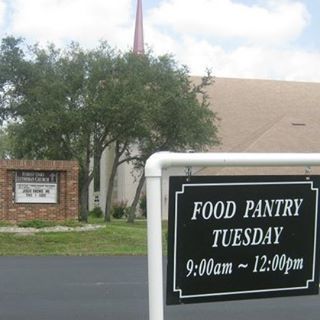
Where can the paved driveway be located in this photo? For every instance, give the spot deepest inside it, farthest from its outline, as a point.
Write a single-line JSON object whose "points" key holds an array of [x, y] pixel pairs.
{"points": [[115, 288]]}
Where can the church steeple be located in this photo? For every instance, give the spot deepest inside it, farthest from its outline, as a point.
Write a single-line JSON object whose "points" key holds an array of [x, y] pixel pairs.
{"points": [[138, 44]]}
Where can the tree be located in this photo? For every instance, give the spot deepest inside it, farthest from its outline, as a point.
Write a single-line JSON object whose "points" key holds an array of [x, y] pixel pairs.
{"points": [[177, 116], [161, 110], [130, 88], [44, 90], [61, 103], [75, 103]]}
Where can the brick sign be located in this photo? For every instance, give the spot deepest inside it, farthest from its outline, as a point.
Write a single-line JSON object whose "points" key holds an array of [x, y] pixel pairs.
{"points": [[36, 187], [242, 237]]}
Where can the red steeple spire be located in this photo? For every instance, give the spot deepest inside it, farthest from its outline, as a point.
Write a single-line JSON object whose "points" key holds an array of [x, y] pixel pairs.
{"points": [[138, 45]]}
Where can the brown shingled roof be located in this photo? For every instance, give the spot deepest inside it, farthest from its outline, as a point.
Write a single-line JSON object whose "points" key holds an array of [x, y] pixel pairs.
{"points": [[266, 116]]}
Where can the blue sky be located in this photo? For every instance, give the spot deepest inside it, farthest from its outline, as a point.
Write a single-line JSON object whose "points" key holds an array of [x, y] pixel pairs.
{"points": [[310, 38], [264, 39]]}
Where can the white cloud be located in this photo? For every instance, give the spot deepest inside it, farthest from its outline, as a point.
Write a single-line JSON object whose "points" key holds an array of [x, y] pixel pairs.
{"points": [[250, 61], [79, 20], [275, 21], [193, 30], [160, 42], [189, 29]]}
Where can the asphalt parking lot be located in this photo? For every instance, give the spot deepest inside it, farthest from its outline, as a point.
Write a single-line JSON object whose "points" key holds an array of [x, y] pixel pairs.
{"points": [[115, 288]]}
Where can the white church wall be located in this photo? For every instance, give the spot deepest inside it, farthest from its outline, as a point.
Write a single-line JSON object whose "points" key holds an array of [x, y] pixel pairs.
{"points": [[124, 187], [98, 199], [127, 184]]}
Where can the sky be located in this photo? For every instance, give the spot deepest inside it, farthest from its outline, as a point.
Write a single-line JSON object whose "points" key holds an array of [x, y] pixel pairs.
{"points": [[257, 39]]}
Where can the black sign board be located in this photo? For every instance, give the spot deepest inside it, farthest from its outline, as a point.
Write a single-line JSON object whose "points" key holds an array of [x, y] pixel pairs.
{"points": [[240, 237], [36, 176]]}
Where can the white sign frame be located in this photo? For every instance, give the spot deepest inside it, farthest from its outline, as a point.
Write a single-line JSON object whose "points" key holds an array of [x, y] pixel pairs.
{"points": [[153, 173]]}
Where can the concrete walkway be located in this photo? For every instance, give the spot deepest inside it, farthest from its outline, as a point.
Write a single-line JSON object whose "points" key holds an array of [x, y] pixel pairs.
{"points": [[16, 229]]}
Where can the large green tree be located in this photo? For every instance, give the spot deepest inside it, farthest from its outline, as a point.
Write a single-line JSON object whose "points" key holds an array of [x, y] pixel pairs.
{"points": [[177, 115], [127, 90], [162, 110], [76, 103], [62, 101]]}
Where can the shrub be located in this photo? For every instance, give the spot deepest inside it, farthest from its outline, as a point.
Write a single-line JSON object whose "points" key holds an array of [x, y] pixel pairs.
{"points": [[38, 224], [71, 223], [119, 210], [5, 223], [96, 212]]}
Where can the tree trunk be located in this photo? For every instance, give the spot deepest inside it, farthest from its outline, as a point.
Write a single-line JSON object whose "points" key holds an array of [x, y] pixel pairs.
{"points": [[84, 203], [84, 191], [107, 216], [133, 207]]}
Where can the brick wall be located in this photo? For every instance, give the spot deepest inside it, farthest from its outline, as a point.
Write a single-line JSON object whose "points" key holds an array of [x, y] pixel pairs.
{"points": [[67, 205]]}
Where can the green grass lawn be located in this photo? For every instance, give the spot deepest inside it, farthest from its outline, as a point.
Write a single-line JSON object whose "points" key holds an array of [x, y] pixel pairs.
{"points": [[115, 238]]}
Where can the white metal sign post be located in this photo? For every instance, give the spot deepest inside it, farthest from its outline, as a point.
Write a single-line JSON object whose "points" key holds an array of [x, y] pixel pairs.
{"points": [[153, 173]]}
